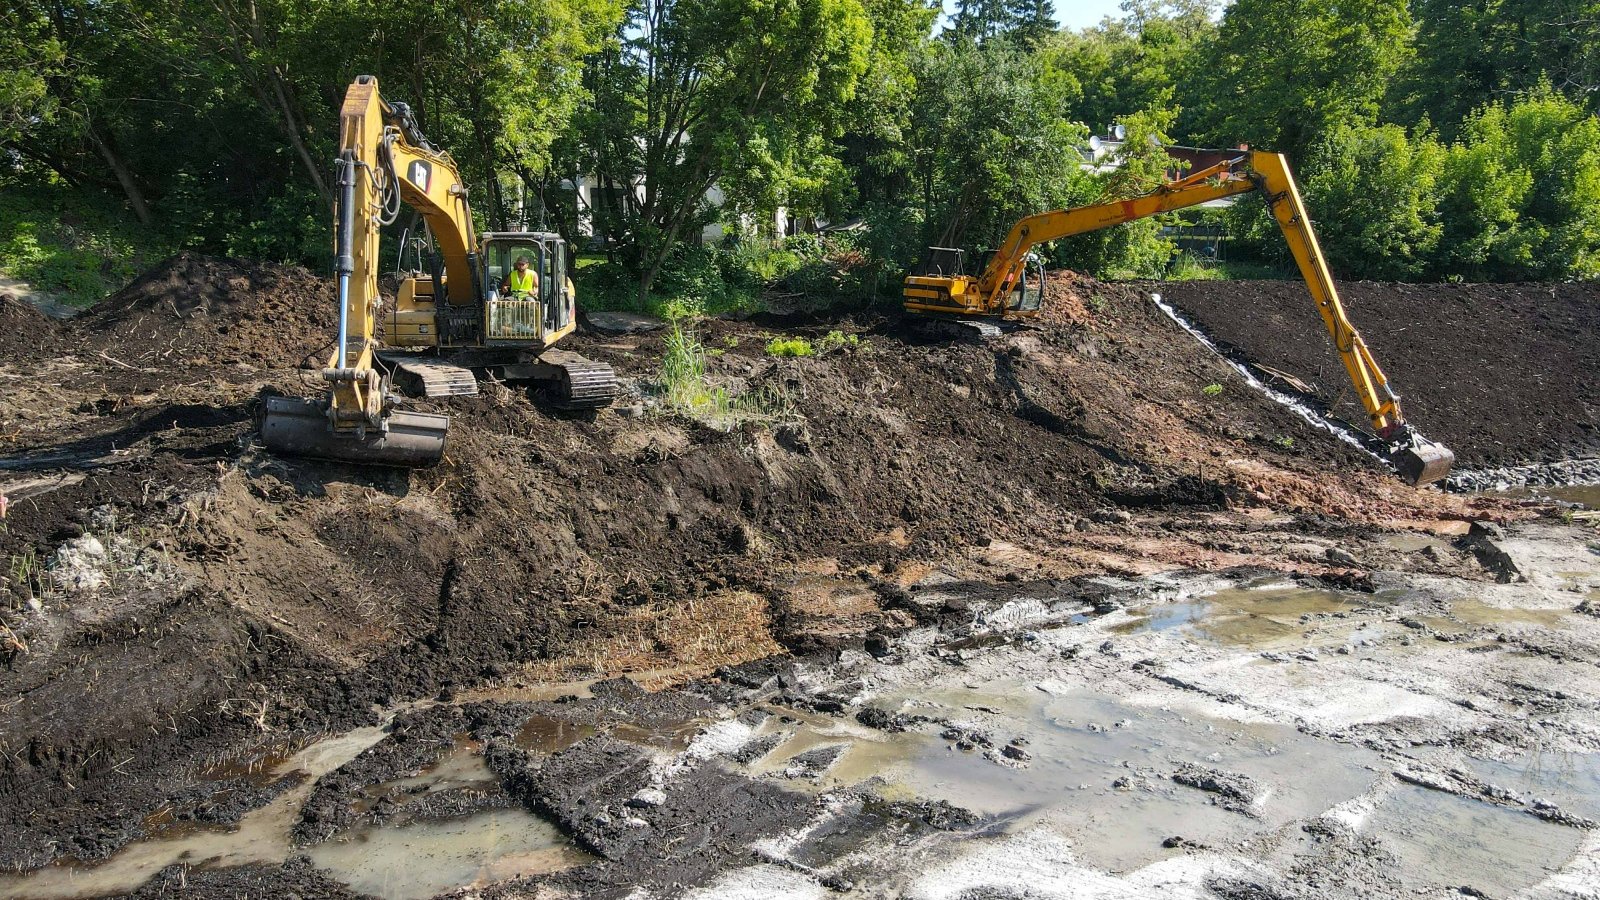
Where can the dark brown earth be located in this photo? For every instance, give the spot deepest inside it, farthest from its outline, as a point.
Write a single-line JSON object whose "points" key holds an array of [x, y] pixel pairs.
{"points": [[23, 328], [253, 601], [1505, 374]]}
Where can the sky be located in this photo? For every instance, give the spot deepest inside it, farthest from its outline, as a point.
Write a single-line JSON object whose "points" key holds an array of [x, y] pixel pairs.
{"points": [[1072, 13]]}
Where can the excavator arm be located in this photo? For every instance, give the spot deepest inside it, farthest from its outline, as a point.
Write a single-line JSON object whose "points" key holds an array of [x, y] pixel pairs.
{"points": [[383, 161], [1418, 461]]}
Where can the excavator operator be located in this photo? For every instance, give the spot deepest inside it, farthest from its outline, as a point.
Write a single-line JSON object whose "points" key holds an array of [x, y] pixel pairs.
{"points": [[522, 283]]}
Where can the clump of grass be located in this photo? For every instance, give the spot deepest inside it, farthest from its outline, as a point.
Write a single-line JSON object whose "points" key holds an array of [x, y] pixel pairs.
{"points": [[839, 342], [1188, 267], [27, 571], [1212, 390], [686, 390], [791, 346]]}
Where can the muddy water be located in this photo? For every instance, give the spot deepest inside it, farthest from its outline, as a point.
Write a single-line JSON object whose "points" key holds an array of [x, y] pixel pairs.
{"points": [[415, 860], [1099, 766], [1584, 495], [430, 857], [1440, 838], [1257, 614]]}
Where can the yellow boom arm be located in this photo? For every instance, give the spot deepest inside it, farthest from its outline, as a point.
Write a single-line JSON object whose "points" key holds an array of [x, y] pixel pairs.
{"points": [[990, 293], [383, 161]]}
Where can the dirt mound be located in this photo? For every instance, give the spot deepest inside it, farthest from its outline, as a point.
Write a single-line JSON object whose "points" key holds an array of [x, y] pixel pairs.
{"points": [[199, 312], [240, 597], [25, 332], [1066, 297], [1504, 374]]}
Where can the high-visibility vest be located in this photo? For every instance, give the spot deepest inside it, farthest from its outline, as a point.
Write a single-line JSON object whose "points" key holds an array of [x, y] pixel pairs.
{"points": [[521, 282]]}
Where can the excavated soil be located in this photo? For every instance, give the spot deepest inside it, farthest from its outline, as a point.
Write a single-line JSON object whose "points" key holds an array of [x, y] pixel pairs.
{"points": [[176, 596], [1505, 374], [24, 330]]}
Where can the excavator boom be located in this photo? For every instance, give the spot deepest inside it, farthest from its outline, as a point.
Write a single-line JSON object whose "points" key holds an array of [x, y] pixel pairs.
{"points": [[377, 166], [1000, 290]]}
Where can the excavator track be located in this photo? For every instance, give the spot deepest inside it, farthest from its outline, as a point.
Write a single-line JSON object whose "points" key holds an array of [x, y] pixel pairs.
{"points": [[580, 383], [571, 381], [431, 379]]}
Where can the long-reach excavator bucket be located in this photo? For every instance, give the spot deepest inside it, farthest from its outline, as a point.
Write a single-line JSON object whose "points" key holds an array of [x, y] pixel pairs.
{"points": [[1423, 462], [301, 428]]}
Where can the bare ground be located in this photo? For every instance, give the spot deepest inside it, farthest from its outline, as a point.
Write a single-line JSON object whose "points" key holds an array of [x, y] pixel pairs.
{"points": [[179, 597]]}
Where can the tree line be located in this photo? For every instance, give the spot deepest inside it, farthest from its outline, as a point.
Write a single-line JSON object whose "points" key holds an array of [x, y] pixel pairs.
{"points": [[1435, 138]]}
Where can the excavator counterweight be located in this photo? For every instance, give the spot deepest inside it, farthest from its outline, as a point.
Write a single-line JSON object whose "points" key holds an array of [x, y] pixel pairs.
{"points": [[1012, 283]]}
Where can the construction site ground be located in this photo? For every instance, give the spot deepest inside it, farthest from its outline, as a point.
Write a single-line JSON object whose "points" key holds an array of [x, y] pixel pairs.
{"points": [[1072, 612]]}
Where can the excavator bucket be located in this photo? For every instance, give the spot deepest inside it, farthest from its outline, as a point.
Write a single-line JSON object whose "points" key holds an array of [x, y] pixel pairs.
{"points": [[300, 428], [1423, 462]]}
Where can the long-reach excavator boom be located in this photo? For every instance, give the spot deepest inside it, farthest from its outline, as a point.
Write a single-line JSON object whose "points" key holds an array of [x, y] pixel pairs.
{"points": [[1004, 288]]}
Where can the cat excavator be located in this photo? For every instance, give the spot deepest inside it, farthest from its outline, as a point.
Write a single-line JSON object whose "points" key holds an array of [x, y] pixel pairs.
{"points": [[1012, 283], [445, 322]]}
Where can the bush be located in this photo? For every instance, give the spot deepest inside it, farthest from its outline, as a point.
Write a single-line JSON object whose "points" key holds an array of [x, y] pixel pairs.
{"points": [[1374, 192], [71, 243], [1521, 192]]}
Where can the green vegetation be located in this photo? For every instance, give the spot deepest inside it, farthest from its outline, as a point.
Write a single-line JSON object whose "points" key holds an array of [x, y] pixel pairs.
{"points": [[683, 384], [1434, 139], [1212, 390], [790, 346], [684, 388], [839, 342]]}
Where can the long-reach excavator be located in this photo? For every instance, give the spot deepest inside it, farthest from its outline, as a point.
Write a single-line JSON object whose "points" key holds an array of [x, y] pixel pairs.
{"points": [[456, 311], [1012, 283]]}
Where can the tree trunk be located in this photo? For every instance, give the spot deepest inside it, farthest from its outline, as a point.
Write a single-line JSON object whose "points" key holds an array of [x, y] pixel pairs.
{"points": [[297, 138], [124, 176]]}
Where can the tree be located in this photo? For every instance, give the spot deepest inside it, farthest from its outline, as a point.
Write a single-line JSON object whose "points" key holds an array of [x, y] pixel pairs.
{"points": [[737, 93], [1467, 52], [1283, 73], [1520, 192], [1135, 63], [1374, 193], [991, 140], [874, 148], [1026, 21]]}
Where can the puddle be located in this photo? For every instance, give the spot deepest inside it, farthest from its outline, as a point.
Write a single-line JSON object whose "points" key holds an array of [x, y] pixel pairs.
{"points": [[1584, 495], [430, 857], [672, 738], [547, 734], [415, 860], [1569, 780], [1099, 766], [262, 835], [1473, 612], [1440, 839], [1247, 615]]}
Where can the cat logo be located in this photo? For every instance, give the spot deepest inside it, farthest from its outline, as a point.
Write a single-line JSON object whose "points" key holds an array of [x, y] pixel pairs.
{"points": [[419, 174]]}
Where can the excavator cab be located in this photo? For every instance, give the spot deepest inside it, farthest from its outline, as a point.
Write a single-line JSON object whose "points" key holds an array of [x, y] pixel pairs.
{"points": [[542, 315], [1028, 296]]}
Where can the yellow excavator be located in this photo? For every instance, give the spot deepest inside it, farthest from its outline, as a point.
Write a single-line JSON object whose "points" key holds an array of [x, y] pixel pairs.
{"points": [[478, 306], [1012, 283]]}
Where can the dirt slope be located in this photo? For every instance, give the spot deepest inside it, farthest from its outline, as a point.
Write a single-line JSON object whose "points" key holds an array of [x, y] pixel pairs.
{"points": [[177, 594], [1504, 374]]}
